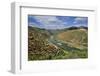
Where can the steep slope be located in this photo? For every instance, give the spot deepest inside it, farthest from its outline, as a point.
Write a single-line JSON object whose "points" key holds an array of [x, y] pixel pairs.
{"points": [[38, 46], [76, 38], [65, 43]]}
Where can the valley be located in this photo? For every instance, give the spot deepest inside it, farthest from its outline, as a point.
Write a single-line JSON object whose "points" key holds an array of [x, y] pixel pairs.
{"points": [[68, 43]]}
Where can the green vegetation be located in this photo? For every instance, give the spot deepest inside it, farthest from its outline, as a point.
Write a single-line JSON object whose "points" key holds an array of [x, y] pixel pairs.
{"points": [[57, 44]]}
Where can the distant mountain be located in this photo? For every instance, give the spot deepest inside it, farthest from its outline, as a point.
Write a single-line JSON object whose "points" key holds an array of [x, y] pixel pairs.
{"points": [[83, 27], [74, 27]]}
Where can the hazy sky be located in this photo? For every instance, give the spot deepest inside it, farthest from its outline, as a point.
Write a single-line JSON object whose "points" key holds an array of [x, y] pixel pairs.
{"points": [[56, 22]]}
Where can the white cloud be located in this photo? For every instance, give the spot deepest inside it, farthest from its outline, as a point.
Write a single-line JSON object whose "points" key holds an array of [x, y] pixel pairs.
{"points": [[80, 19], [50, 22]]}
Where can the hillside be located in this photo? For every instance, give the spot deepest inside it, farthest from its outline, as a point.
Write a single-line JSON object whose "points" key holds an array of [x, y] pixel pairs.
{"points": [[38, 46], [75, 38], [68, 43]]}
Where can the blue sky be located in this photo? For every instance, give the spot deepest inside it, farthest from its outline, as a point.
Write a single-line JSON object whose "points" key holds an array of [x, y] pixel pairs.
{"points": [[56, 22]]}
